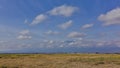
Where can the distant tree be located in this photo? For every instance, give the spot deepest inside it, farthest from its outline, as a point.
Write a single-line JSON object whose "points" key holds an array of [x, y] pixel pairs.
{"points": [[96, 52]]}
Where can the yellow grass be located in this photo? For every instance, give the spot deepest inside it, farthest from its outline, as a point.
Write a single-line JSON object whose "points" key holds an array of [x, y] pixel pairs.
{"points": [[59, 61]]}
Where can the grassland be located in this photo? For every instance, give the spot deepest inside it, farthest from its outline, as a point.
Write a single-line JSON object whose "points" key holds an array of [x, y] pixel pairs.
{"points": [[59, 60]]}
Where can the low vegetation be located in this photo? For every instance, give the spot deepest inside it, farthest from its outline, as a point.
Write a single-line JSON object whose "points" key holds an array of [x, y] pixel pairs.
{"points": [[59, 60]]}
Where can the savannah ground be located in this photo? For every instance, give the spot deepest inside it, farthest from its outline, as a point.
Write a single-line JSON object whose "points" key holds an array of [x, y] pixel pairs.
{"points": [[59, 60]]}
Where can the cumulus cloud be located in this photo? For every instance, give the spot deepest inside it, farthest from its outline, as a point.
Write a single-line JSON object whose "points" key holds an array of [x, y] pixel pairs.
{"points": [[109, 43], [50, 42], [39, 19], [12, 45], [50, 32], [66, 24], [91, 43], [24, 37], [25, 34], [111, 18], [63, 10], [76, 35], [87, 26]]}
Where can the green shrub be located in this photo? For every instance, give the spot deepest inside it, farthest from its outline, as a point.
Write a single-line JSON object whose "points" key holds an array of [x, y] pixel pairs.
{"points": [[3, 67]]}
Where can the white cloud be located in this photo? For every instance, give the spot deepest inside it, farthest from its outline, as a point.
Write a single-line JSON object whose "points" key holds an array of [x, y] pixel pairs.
{"points": [[66, 24], [22, 37], [16, 45], [76, 35], [52, 32], [39, 19], [51, 42], [111, 18], [2, 41], [25, 34], [63, 10], [26, 21], [108, 43], [87, 26]]}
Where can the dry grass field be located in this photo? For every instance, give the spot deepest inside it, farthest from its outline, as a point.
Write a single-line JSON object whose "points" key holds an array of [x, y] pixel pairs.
{"points": [[59, 60]]}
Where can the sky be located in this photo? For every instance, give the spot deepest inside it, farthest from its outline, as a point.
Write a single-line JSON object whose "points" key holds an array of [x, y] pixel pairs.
{"points": [[59, 26]]}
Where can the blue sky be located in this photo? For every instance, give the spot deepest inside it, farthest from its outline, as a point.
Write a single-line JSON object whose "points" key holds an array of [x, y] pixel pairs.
{"points": [[59, 25]]}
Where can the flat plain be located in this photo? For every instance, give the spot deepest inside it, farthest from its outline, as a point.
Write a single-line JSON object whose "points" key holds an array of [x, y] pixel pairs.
{"points": [[59, 60]]}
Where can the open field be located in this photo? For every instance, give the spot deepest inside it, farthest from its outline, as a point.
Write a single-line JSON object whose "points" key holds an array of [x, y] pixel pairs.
{"points": [[59, 60]]}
